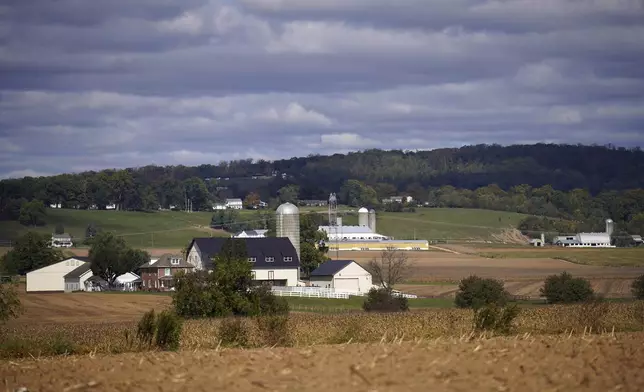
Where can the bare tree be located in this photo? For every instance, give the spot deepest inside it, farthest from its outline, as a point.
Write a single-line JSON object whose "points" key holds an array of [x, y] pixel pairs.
{"points": [[390, 269]]}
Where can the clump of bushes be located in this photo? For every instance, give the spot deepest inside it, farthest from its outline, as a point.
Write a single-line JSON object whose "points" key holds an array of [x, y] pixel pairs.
{"points": [[162, 331], [383, 300], [9, 302], [274, 330], [495, 318], [564, 289], [488, 299], [475, 292], [637, 287]]}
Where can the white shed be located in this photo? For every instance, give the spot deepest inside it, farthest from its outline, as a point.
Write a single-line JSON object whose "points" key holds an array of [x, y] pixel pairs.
{"points": [[52, 277], [76, 280], [342, 275]]}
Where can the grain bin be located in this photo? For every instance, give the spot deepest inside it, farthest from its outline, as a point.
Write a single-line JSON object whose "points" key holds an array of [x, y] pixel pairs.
{"points": [[288, 224], [372, 220], [363, 217]]}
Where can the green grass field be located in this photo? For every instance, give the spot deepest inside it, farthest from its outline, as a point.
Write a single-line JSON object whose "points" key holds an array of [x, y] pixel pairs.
{"points": [[624, 257], [165, 229], [175, 229]]}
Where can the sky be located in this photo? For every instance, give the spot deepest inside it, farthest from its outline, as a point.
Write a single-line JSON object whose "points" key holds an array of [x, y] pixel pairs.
{"points": [[90, 85]]}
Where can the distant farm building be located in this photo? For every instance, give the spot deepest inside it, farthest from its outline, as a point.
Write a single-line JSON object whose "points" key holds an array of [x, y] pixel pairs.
{"points": [[257, 233], [52, 277], [587, 240], [342, 275], [61, 241]]}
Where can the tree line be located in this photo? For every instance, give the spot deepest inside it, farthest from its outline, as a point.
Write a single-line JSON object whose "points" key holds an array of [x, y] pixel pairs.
{"points": [[570, 181]]}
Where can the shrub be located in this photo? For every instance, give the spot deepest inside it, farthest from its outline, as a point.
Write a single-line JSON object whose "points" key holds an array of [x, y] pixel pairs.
{"points": [[495, 318], [267, 303], [564, 288], [233, 333], [168, 330], [475, 292], [59, 229], [637, 287], [9, 303], [382, 300], [274, 330], [61, 345], [146, 328]]}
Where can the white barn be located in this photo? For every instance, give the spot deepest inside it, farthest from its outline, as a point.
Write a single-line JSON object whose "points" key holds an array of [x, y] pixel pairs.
{"points": [[76, 280], [342, 275], [52, 277], [350, 233]]}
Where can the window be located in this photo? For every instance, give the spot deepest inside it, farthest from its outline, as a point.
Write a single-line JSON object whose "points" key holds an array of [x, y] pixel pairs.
{"points": [[252, 259], [167, 272], [271, 275], [174, 261], [288, 258], [269, 259]]}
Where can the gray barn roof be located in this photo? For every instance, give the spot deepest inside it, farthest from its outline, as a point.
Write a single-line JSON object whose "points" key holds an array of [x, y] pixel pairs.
{"points": [[331, 267], [78, 271]]}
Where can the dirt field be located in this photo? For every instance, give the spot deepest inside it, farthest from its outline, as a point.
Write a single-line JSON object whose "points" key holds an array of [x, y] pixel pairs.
{"points": [[590, 363], [86, 307], [523, 276]]}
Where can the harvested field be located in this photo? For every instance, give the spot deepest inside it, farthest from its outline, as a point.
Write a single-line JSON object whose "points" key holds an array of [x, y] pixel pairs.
{"points": [[597, 363], [523, 276], [86, 307]]}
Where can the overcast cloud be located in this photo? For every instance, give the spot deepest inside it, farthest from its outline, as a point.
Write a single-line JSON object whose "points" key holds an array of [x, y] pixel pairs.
{"points": [[87, 85]]}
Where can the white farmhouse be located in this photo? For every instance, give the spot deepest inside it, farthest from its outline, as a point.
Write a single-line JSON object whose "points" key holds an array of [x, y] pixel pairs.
{"points": [[257, 233], [274, 259], [234, 204], [52, 277], [342, 275]]}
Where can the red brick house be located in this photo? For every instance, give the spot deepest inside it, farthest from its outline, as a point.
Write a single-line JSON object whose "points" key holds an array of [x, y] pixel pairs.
{"points": [[158, 274]]}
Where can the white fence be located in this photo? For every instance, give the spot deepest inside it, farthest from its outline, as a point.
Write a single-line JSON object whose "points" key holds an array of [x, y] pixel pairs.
{"points": [[319, 292]]}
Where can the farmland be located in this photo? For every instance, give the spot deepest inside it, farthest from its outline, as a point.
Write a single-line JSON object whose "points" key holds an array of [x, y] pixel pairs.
{"points": [[174, 229], [600, 363]]}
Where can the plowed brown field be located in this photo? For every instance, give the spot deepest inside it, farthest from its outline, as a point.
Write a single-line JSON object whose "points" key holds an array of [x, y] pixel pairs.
{"points": [[588, 363]]}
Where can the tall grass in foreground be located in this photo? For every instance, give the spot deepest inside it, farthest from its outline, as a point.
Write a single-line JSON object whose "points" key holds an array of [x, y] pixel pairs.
{"points": [[314, 329]]}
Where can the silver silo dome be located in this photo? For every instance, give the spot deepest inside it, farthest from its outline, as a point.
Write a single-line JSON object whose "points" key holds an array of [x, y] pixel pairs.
{"points": [[288, 224], [372, 220], [610, 226], [363, 217]]}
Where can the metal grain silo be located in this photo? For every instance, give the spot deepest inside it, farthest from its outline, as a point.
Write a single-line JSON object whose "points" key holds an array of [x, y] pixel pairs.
{"points": [[610, 226], [363, 217], [372, 220], [288, 224]]}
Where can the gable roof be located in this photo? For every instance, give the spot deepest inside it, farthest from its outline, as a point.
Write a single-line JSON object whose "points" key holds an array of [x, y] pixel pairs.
{"points": [[260, 248], [165, 261], [79, 271], [331, 267]]}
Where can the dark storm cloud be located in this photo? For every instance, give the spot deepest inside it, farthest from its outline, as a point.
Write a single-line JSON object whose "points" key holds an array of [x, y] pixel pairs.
{"points": [[91, 85]]}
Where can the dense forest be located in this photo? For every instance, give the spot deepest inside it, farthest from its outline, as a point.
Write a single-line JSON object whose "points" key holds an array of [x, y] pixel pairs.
{"points": [[582, 183]]}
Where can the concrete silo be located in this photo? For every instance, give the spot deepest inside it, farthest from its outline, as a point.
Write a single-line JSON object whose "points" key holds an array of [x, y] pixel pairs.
{"points": [[610, 226], [288, 224], [372, 220], [363, 217]]}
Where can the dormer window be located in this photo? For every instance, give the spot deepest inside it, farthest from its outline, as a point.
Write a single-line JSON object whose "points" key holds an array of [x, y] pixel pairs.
{"points": [[175, 261], [252, 259], [288, 259], [269, 259]]}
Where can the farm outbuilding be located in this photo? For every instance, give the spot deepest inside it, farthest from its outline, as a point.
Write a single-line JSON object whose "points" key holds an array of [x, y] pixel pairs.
{"points": [[52, 277], [342, 275], [76, 279]]}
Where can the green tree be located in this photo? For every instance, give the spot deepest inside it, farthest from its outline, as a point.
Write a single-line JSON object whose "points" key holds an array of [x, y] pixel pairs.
{"points": [[197, 192], [31, 251], [60, 229], [32, 213], [564, 288], [252, 200], [636, 225], [289, 193], [475, 292], [90, 232], [227, 290], [637, 287], [356, 194], [9, 302], [110, 257]]}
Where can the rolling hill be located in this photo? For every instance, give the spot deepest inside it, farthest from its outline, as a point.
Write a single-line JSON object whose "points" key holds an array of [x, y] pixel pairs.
{"points": [[175, 229]]}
